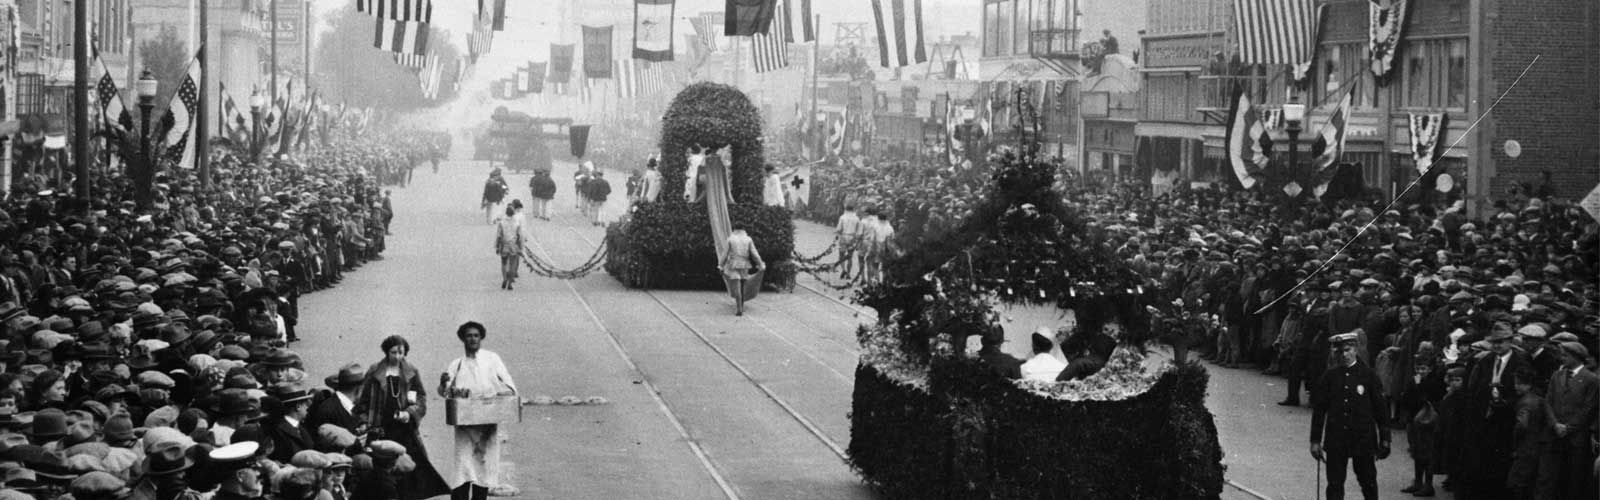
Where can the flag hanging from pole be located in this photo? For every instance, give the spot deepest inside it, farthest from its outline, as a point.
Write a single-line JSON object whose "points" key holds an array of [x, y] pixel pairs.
{"points": [[748, 17], [399, 10], [482, 38], [1247, 140], [627, 79], [114, 113], [499, 15], [899, 26], [1329, 146], [413, 61], [652, 29], [432, 72], [597, 51], [561, 63], [797, 21], [1277, 32], [181, 108], [769, 51], [234, 126], [407, 37], [705, 27]]}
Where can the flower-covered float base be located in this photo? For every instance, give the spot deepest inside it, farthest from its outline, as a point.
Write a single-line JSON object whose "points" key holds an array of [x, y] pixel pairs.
{"points": [[669, 245], [1137, 429]]}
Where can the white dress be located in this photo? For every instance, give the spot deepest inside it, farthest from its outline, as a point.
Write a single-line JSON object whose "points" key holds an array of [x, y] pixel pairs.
{"points": [[478, 446]]}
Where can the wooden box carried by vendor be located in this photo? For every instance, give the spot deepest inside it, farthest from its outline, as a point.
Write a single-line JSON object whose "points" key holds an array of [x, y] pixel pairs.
{"points": [[483, 411]]}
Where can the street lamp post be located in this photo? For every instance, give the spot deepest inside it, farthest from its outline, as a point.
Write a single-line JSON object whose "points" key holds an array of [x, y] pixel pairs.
{"points": [[257, 101], [1293, 114], [146, 88]]}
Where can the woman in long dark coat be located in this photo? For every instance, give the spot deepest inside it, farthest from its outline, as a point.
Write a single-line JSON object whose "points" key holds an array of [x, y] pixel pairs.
{"points": [[393, 401]]}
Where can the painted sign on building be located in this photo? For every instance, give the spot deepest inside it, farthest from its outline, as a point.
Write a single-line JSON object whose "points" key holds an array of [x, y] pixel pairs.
{"points": [[1186, 51]]}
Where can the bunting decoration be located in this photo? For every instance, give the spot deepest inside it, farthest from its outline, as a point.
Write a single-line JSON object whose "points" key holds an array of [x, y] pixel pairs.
{"points": [[1385, 19], [652, 29], [1277, 32], [561, 63], [1247, 140], [748, 17], [1329, 146], [597, 51], [1426, 130], [899, 26]]}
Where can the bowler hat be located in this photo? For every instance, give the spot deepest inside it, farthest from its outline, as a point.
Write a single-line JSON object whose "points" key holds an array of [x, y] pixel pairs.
{"points": [[49, 423], [289, 393]]}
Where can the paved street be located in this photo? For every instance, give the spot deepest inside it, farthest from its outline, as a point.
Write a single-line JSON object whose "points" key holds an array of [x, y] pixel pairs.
{"points": [[702, 404]]}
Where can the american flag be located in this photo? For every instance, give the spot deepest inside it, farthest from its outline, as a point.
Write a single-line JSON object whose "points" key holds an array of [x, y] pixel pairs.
{"points": [[797, 21], [770, 50], [399, 10], [182, 107], [652, 80], [233, 121], [482, 38], [113, 113], [413, 61], [1276, 31], [406, 37], [627, 78], [707, 25], [899, 25]]}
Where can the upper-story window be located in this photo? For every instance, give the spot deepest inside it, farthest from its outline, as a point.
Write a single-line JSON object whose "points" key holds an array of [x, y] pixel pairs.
{"points": [[1434, 74], [1018, 27]]}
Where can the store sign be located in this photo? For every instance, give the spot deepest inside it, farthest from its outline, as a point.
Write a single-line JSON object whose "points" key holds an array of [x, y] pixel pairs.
{"points": [[291, 22], [1170, 52], [1096, 105]]}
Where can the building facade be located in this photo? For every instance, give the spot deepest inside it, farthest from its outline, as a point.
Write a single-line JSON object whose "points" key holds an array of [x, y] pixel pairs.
{"points": [[1032, 44]]}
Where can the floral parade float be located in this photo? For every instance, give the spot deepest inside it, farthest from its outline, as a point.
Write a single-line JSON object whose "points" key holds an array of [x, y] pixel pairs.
{"points": [[673, 242], [930, 420]]}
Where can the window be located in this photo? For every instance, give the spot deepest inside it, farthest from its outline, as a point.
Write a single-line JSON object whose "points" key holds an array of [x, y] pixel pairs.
{"points": [[1339, 64], [1435, 74], [991, 29], [1007, 28]]}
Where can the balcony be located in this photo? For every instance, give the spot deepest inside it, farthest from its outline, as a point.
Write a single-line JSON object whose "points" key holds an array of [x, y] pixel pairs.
{"points": [[1216, 94], [1057, 48]]}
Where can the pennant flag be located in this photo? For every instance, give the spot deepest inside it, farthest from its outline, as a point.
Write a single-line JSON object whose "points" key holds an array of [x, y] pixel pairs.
{"points": [[1329, 146], [1247, 140], [561, 63], [627, 78], [406, 37], [536, 77], [1426, 130], [1385, 18], [1276, 31], [768, 50], [748, 17], [797, 21], [597, 51], [705, 28], [234, 126], [398, 10], [114, 115], [899, 25], [652, 29], [182, 107]]}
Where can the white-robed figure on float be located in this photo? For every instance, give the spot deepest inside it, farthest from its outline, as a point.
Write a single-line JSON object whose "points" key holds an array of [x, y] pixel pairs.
{"points": [[478, 373]]}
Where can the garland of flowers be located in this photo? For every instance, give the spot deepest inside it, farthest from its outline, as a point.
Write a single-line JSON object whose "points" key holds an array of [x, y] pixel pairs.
{"points": [[881, 348], [544, 268], [1124, 376]]}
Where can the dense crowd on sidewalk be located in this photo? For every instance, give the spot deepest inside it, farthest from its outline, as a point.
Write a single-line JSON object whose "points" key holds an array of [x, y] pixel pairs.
{"points": [[1483, 331], [146, 349]]}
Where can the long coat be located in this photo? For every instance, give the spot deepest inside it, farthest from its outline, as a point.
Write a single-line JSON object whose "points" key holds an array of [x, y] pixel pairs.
{"points": [[381, 398], [287, 439], [1350, 416], [329, 411]]}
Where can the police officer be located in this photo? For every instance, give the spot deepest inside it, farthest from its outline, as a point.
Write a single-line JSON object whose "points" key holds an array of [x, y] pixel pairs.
{"points": [[1349, 420]]}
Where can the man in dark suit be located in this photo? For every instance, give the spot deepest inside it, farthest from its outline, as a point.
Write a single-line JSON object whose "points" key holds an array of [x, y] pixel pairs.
{"points": [[1490, 393], [336, 408], [1543, 356], [1350, 421], [284, 426], [1000, 363], [1571, 397]]}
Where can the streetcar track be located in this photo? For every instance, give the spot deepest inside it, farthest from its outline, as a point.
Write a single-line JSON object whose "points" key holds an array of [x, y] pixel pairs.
{"points": [[767, 391]]}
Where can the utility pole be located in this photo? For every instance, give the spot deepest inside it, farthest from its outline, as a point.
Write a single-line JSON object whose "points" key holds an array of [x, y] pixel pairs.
{"points": [[80, 96], [272, 7], [202, 132], [305, 35], [816, 67]]}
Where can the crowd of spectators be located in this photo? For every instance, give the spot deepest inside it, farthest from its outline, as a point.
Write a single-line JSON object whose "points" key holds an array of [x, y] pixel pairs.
{"points": [[143, 345], [1434, 296]]}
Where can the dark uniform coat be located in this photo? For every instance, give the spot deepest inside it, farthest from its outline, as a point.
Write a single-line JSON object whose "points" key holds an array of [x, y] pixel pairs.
{"points": [[1350, 416]]}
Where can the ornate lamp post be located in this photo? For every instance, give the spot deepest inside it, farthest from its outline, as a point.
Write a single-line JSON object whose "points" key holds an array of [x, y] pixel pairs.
{"points": [[145, 88], [257, 102], [1294, 113]]}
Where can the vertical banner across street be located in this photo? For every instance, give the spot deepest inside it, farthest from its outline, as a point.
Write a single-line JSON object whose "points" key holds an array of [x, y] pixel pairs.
{"points": [[652, 29], [597, 51]]}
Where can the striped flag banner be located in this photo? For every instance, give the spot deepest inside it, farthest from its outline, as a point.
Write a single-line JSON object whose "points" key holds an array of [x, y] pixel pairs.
{"points": [[432, 72], [398, 10], [114, 113], [627, 78], [705, 26], [233, 121], [406, 37], [482, 38], [899, 26], [651, 80], [797, 21], [652, 29], [1276, 31], [769, 51], [182, 107], [413, 61]]}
